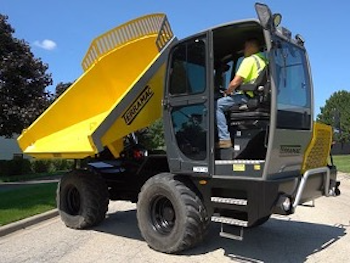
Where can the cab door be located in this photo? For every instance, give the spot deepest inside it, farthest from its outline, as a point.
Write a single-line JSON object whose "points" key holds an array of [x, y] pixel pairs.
{"points": [[291, 121], [188, 107], [291, 129]]}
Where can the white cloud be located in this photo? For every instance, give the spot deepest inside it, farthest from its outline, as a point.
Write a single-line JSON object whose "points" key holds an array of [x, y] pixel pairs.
{"points": [[46, 44]]}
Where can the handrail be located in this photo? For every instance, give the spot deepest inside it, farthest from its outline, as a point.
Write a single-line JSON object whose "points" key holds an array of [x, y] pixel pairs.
{"points": [[165, 34], [130, 31], [304, 179]]}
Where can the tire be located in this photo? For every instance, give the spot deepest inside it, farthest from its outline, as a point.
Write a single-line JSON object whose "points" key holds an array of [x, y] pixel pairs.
{"points": [[171, 216], [82, 199], [260, 221]]}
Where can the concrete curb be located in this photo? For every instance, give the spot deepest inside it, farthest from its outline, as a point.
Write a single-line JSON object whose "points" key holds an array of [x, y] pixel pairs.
{"points": [[24, 223]]}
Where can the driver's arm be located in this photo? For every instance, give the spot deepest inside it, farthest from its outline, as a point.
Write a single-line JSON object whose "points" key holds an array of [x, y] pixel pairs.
{"points": [[241, 74], [234, 84]]}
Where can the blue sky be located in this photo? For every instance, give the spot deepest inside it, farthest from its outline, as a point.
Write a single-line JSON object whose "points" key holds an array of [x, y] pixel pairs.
{"points": [[60, 32]]}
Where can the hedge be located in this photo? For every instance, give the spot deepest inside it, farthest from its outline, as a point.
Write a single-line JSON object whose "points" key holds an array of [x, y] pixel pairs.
{"points": [[25, 166]]}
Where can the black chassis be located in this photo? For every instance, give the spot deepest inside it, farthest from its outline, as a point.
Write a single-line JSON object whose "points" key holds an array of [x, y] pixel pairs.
{"points": [[125, 176], [262, 195]]}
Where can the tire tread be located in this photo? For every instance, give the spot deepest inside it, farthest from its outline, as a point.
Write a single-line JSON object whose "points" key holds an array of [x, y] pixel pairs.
{"points": [[197, 220], [95, 194]]}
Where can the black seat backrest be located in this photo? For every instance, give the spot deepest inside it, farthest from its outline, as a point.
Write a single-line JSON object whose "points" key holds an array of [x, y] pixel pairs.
{"points": [[261, 80], [259, 103]]}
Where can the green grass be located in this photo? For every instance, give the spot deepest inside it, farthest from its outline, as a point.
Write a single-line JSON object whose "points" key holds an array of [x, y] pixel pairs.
{"points": [[26, 177], [342, 162], [26, 201]]}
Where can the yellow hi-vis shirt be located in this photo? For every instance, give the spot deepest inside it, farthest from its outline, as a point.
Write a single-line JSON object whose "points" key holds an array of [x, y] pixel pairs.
{"points": [[250, 68]]}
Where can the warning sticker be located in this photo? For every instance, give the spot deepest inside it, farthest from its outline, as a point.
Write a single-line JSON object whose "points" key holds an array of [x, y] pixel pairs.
{"points": [[239, 167], [257, 167]]}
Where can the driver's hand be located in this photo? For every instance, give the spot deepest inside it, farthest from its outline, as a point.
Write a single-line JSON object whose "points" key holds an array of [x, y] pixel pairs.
{"points": [[227, 92]]}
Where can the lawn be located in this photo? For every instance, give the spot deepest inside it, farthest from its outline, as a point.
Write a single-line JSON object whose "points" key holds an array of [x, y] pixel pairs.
{"points": [[22, 202], [342, 162]]}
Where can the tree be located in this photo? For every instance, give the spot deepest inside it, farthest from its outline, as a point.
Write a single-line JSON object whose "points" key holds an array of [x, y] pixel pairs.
{"points": [[338, 103], [153, 137], [61, 87], [23, 80]]}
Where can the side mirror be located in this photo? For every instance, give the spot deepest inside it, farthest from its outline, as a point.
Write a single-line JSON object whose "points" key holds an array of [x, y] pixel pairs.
{"points": [[264, 15], [267, 20]]}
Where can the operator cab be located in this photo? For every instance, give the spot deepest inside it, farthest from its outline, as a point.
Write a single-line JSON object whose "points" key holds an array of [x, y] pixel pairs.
{"points": [[247, 122], [269, 133]]}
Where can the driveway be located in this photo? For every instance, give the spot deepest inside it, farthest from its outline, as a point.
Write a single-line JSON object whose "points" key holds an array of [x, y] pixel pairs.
{"points": [[319, 234]]}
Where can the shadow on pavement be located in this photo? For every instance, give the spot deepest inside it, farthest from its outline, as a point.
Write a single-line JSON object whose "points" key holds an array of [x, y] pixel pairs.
{"points": [[121, 223], [276, 241]]}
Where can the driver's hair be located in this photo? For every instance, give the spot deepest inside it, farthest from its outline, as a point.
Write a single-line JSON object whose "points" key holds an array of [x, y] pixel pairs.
{"points": [[253, 41]]}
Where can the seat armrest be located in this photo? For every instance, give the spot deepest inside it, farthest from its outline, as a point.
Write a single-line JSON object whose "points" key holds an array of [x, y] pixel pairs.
{"points": [[247, 87]]}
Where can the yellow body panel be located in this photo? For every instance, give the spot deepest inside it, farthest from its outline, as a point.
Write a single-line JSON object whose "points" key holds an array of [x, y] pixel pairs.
{"points": [[67, 129], [152, 110], [318, 151]]}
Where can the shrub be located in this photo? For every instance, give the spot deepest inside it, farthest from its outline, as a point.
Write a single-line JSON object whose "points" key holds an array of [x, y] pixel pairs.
{"points": [[25, 166], [3, 168], [42, 166], [15, 167], [62, 164]]}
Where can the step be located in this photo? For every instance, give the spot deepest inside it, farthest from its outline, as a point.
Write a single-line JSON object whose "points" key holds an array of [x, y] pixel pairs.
{"points": [[238, 237], [231, 201], [229, 221], [225, 162]]}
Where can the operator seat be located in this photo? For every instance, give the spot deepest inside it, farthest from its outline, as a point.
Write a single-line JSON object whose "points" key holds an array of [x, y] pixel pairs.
{"points": [[257, 108]]}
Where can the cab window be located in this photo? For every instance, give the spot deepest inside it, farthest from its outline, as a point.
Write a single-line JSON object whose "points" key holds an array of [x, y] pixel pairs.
{"points": [[293, 87], [188, 68]]}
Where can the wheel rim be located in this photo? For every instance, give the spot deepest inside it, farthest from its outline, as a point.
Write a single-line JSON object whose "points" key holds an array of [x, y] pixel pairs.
{"points": [[162, 215], [73, 201]]}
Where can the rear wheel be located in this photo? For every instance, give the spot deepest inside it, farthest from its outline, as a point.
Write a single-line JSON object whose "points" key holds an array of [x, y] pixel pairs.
{"points": [[171, 216], [82, 199]]}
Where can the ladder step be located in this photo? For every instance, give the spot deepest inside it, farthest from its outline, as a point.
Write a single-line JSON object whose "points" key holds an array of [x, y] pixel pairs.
{"points": [[225, 162], [232, 236], [231, 201], [229, 221]]}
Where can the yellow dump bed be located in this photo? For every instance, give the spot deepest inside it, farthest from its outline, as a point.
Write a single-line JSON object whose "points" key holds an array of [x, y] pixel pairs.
{"points": [[119, 92]]}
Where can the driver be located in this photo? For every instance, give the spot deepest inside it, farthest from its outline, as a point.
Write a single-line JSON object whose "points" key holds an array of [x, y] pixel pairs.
{"points": [[247, 72]]}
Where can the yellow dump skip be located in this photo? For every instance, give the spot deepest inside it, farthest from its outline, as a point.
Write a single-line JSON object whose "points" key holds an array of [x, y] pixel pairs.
{"points": [[119, 92]]}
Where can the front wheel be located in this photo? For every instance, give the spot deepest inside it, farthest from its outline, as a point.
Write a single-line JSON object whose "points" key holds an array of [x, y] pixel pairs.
{"points": [[260, 221], [170, 215]]}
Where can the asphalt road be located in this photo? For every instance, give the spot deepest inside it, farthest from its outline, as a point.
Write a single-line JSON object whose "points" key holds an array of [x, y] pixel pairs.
{"points": [[319, 234]]}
